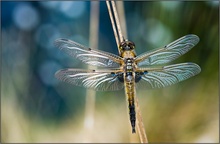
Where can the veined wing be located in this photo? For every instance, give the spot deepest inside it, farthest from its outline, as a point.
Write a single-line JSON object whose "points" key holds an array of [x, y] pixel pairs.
{"points": [[106, 80], [167, 75], [168, 53], [88, 55]]}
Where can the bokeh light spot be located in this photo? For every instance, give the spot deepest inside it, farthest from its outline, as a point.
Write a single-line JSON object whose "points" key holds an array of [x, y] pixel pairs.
{"points": [[170, 5], [213, 3], [50, 4], [46, 34], [73, 9], [47, 71], [25, 17], [158, 34]]}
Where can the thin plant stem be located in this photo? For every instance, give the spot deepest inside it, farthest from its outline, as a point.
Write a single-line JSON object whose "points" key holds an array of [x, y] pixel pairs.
{"points": [[113, 24], [91, 94], [121, 14], [140, 125], [117, 21]]}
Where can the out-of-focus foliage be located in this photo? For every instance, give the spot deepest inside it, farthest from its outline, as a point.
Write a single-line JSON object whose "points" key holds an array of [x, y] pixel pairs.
{"points": [[35, 107]]}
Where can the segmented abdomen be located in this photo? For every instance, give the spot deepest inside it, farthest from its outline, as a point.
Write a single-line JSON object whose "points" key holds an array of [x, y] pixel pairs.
{"points": [[129, 81]]}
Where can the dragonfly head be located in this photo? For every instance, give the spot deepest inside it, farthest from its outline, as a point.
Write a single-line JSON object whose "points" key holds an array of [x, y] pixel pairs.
{"points": [[126, 45]]}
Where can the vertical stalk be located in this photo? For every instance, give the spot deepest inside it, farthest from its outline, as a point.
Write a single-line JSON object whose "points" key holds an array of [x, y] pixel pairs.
{"points": [[91, 94], [121, 14], [140, 125], [113, 24], [117, 21]]}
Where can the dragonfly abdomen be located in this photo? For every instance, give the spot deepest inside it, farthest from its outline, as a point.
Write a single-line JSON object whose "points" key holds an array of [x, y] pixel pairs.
{"points": [[129, 81]]}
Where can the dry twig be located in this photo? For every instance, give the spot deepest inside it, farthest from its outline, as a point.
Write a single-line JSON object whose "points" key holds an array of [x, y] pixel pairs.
{"points": [[118, 35], [117, 21], [91, 94], [121, 14], [113, 24]]}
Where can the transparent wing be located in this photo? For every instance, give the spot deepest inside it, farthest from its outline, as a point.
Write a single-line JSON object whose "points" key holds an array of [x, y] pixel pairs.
{"points": [[97, 80], [87, 55], [167, 75], [169, 52]]}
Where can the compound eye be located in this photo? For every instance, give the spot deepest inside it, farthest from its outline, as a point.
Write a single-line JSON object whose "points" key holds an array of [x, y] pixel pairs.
{"points": [[131, 45], [122, 46]]}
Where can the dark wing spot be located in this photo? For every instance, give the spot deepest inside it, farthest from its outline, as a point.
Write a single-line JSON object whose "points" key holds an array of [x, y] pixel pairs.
{"points": [[145, 72], [112, 73], [165, 47], [121, 77], [138, 75], [89, 49], [64, 39], [137, 78]]}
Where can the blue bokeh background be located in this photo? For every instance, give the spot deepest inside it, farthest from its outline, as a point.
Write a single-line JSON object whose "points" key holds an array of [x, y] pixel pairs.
{"points": [[36, 107]]}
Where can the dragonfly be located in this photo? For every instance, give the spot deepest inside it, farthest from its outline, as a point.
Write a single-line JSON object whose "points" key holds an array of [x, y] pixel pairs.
{"points": [[127, 70]]}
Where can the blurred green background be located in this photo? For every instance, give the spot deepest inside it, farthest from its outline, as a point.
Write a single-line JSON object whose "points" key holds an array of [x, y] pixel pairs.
{"points": [[35, 107]]}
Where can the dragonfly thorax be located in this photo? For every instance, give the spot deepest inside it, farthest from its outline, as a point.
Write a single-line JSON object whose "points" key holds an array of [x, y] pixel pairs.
{"points": [[129, 64]]}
